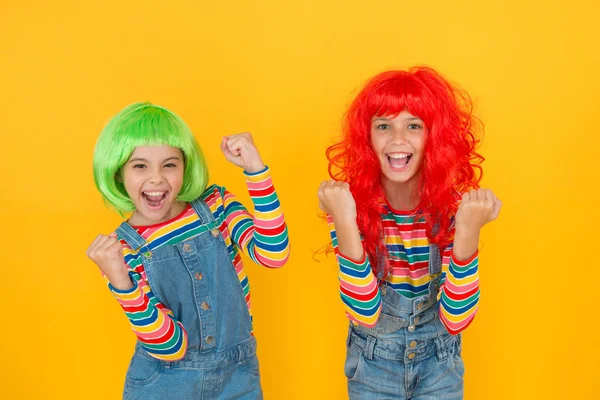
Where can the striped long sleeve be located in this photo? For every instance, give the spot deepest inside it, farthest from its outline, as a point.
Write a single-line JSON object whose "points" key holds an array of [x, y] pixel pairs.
{"points": [[408, 255], [459, 293], [155, 326], [264, 236], [358, 286]]}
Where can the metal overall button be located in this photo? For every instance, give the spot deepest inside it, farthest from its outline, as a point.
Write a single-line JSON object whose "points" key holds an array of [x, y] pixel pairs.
{"points": [[148, 254], [187, 247], [215, 232]]}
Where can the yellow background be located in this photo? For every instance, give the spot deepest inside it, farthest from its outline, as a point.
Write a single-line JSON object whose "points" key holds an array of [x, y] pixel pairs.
{"points": [[286, 70]]}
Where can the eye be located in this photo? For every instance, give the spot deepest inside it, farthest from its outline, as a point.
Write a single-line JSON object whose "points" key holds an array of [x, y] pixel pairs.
{"points": [[170, 165], [382, 127], [140, 166], [415, 126]]}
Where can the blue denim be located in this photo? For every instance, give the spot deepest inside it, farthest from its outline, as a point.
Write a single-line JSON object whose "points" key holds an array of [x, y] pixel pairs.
{"points": [[197, 281], [409, 354]]}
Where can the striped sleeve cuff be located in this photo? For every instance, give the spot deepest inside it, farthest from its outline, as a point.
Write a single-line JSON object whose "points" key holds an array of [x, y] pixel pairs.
{"points": [[127, 295], [259, 176], [465, 262]]}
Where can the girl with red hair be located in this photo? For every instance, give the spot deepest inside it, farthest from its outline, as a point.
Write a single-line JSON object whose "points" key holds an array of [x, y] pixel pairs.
{"points": [[405, 212]]}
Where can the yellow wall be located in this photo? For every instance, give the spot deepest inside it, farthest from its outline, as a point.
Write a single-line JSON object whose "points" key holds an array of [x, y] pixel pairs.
{"points": [[285, 70]]}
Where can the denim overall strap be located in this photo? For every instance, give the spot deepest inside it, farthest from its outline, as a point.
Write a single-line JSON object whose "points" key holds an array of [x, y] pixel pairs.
{"points": [[206, 216], [435, 258], [131, 236]]}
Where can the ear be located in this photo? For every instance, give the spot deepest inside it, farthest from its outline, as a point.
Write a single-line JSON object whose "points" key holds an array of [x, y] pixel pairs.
{"points": [[118, 178]]}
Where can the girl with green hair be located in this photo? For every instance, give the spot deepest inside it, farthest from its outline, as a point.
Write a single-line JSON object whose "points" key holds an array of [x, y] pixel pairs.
{"points": [[174, 265]]}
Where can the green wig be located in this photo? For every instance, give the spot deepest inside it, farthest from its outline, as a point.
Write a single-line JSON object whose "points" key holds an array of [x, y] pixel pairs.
{"points": [[145, 124]]}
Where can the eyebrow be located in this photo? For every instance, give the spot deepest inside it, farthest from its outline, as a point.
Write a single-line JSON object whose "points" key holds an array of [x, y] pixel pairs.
{"points": [[388, 119], [146, 161]]}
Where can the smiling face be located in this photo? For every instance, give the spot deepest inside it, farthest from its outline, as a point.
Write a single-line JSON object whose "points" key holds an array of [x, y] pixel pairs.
{"points": [[152, 177], [399, 143]]}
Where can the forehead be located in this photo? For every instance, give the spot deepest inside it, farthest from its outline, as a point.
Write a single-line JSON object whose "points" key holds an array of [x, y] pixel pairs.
{"points": [[156, 152]]}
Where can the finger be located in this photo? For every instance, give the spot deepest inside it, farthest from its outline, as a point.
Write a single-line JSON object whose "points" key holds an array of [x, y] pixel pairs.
{"points": [[100, 242], [235, 145], [480, 194], [228, 155], [466, 196], [115, 248], [113, 235], [224, 145], [107, 243], [97, 239], [320, 189], [489, 198], [497, 207], [92, 248]]}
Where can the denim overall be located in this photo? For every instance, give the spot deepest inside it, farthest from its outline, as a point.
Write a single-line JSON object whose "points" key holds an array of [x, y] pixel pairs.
{"points": [[197, 281], [409, 354]]}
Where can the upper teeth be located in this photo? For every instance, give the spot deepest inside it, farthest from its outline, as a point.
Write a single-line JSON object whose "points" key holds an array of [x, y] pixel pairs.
{"points": [[399, 155], [154, 193]]}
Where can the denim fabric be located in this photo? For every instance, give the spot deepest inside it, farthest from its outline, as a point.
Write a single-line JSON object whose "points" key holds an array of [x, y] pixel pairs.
{"points": [[197, 281], [409, 354]]}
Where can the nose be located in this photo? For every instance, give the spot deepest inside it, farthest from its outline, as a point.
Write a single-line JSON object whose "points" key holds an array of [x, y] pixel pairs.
{"points": [[156, 176], [399, 136]]}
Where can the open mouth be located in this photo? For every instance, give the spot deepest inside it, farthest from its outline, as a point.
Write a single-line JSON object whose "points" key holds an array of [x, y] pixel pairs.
{"points": [[154, 200], [399, 161]]}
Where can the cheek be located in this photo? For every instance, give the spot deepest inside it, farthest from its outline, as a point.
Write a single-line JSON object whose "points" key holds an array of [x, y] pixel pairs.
{"points": [[419, 144], [377, 144], [176, 180], [132, 183]]}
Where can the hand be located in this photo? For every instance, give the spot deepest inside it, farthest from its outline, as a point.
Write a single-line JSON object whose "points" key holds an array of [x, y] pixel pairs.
{"points": [[336, 200], [240, 151], [477, 208], [107, 253]]}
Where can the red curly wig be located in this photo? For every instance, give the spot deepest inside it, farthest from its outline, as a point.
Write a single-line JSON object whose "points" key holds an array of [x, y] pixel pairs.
{"points": [[450, 166]]}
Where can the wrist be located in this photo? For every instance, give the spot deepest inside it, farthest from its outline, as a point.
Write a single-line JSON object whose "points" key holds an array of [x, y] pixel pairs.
{"points": [[466, 242], [344, 221], [255, 168], [466, 231], [121, 283]]}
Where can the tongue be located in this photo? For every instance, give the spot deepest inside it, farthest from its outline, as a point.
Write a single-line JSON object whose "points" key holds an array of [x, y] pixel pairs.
{"points": [[398, 162], [154, 200]]}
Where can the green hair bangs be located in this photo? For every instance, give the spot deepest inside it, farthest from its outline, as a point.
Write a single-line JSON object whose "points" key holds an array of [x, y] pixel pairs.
{"points": [[145, 124]]}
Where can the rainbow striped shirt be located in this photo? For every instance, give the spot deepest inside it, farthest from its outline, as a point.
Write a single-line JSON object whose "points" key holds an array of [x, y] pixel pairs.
{"points": [[264, 238], [408, 255]]}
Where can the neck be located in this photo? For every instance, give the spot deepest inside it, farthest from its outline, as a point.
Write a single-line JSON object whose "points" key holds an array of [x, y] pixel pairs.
{"points": [[401, 196], [137, 219]]}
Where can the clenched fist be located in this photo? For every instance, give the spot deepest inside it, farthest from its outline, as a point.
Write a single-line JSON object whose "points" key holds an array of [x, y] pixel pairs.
{"points": [[107, 253], [336, 200], [477, 208], [240, 151]]}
